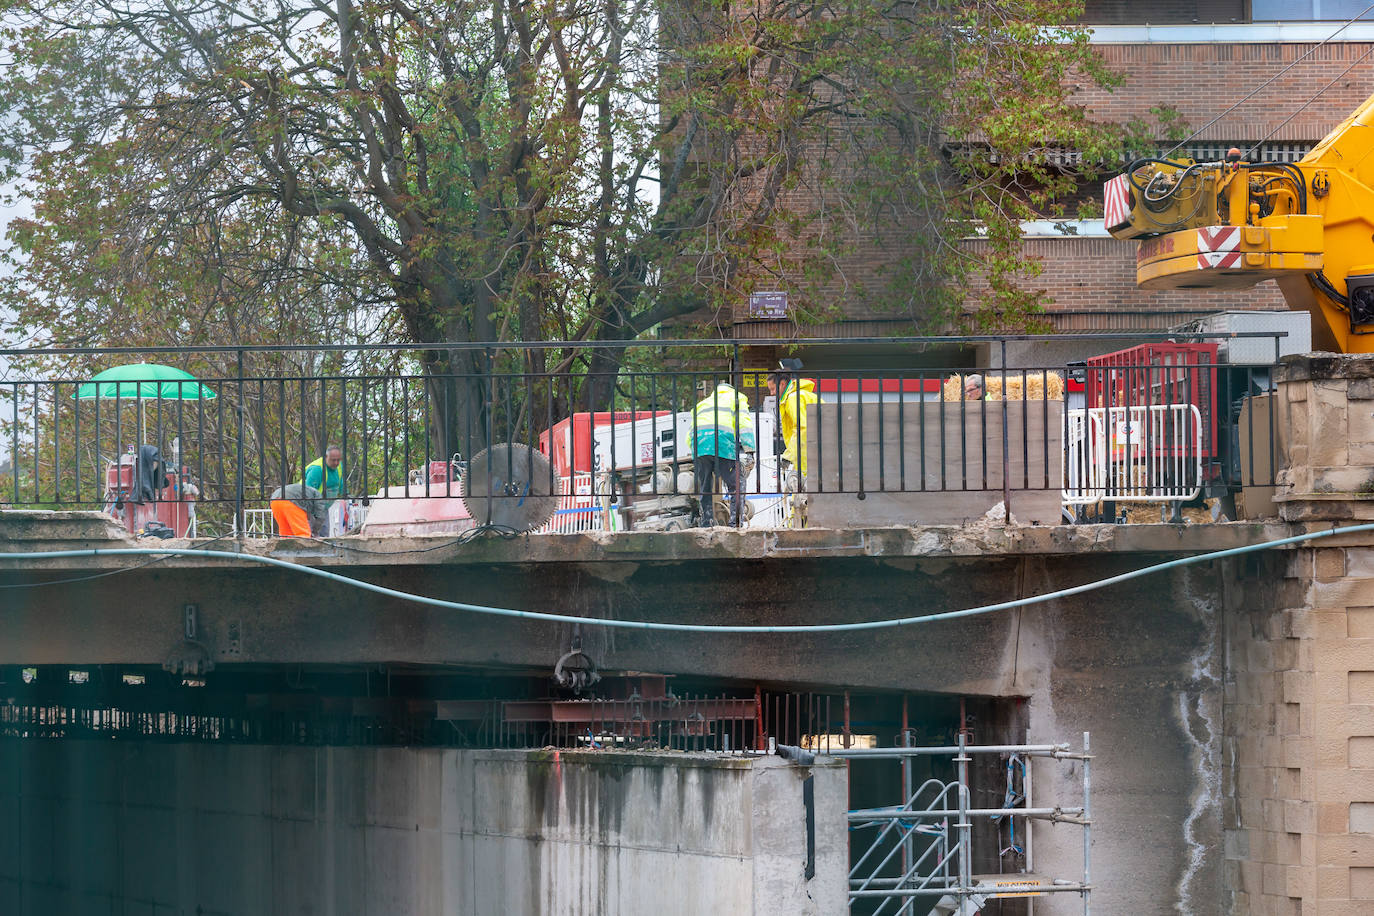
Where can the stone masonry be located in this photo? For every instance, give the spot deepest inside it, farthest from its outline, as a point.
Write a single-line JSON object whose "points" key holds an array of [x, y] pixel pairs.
{"points": [[1298, 806]]}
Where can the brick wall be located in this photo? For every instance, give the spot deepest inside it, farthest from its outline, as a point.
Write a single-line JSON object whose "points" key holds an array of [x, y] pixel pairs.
{"points": [[1200, 81], [1092, 281], [1099, 274]]}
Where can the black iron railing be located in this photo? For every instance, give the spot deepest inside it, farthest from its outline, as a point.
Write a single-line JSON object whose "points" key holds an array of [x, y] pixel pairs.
{"points": [[619, 429]]}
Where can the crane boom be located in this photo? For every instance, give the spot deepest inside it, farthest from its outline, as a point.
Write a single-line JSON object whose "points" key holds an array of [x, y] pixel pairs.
{"points": [[1307, 225]]}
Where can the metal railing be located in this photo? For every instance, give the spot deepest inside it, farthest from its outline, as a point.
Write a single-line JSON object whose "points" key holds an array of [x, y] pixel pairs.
{"points": [[617, 424], [54, 703]]}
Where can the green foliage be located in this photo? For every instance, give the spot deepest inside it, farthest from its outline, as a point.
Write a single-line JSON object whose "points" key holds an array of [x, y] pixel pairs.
{"points": [[231, 172]]}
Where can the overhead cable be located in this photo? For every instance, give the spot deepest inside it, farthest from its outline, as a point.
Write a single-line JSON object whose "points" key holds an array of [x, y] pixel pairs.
{"points": [[1301, 108], [687, 627], [1310, 51]]}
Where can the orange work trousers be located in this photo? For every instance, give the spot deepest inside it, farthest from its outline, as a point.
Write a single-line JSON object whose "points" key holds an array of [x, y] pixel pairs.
{"points": [[291, 519]]}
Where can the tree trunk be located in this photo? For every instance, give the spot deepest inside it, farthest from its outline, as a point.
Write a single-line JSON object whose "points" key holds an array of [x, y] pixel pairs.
{"points": [[458, 381], [460, 392], [603, 366]]}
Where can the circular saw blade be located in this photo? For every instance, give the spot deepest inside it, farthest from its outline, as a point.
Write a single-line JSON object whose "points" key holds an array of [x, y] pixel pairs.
{"points": [[510, 485]]}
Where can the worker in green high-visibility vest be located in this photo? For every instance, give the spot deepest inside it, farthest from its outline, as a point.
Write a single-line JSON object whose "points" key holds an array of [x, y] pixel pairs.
{"points": [[722, 433], [326, 474]]}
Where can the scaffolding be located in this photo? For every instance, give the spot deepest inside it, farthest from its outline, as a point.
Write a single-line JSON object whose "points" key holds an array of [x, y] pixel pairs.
{"points": [[919, 862]]}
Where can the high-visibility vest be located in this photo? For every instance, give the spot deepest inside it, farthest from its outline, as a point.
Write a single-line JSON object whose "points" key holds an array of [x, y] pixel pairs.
{"points": [[331, 479], [722, 424]]}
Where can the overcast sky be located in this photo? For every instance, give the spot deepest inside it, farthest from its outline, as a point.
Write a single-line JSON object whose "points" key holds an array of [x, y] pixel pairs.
{"points": [[6, 214]]}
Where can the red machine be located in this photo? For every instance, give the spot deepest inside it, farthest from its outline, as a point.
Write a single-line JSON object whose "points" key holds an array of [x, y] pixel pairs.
{"points": [[570, 443], [1156, 375], [174, 507]]}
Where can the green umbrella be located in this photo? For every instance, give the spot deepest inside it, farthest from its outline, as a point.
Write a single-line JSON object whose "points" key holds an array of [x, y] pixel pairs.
{"points": [[144, 381]]}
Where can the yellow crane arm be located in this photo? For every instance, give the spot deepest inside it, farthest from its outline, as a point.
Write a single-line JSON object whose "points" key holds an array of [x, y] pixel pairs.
{"points": [[1308, 225]]}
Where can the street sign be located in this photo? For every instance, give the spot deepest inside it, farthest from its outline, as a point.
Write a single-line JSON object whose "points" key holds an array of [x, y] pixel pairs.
{"points": [[768, 305]]}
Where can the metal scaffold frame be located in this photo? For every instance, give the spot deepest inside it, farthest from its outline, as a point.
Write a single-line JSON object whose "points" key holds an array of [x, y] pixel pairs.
{"points": [[937, 856]]}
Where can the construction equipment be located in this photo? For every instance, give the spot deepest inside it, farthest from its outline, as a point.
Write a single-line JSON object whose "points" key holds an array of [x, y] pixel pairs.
{"points": [[162, 498], [1308, 225], [510, 485]]}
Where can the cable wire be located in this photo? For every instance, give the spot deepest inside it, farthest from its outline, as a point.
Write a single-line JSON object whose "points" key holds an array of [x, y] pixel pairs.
{"points": [[1318, 94], [108, 572], [690, 627], [1348, 23]]}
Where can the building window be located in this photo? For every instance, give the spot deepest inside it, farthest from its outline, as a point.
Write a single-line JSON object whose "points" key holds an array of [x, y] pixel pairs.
{"points": [[1308, 10]]}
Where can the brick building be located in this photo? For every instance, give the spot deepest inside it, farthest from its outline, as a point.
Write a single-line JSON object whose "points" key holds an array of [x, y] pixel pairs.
{"points": [[1199, 59]]}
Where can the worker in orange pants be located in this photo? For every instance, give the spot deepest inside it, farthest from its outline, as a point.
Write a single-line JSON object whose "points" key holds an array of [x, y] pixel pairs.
{"points": [[299, 511]]}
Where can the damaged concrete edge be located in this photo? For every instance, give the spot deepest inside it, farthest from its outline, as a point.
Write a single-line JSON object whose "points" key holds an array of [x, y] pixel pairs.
{"points": [[33, 531], [1323, 366], [622, 757]]}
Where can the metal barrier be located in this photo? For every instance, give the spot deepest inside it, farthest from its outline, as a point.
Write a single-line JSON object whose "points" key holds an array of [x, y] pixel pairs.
{"points": [[257, 523], [639, 712], [627, 417], [1134, 454]]}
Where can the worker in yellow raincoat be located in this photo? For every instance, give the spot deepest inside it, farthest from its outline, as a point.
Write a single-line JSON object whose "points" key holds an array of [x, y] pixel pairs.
{"points": [[794, 395]]}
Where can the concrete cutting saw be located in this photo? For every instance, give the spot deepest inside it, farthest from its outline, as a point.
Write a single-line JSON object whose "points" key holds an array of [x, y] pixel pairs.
{"points": [[510, 485]]}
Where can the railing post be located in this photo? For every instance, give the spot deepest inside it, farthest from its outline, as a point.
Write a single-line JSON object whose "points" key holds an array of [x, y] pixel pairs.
{"points": [[1006, 439], [908, 839], [736, 505], [1087, 825], [238, 473]]}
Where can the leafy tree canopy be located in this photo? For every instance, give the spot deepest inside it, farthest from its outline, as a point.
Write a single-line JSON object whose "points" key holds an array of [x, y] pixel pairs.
{"points": [[221, 171]]}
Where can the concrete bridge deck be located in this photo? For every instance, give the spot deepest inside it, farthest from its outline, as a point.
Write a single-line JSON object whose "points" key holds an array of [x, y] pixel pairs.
{"points": [[132, 609]]}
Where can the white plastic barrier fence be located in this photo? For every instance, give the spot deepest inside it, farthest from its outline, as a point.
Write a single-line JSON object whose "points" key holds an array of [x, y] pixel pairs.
{"points": [[1150, 453], [257, 523], [579, 508]]}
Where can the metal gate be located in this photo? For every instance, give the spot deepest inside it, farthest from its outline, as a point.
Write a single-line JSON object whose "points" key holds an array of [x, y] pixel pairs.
{"points": [[920, 860]]}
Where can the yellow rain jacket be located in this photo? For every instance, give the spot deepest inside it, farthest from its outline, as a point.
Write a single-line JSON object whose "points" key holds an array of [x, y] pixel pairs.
{"points": [[796, 397]]}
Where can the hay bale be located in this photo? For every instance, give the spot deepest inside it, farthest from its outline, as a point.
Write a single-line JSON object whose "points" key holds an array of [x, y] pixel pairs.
{"points": [[1020, 386]]}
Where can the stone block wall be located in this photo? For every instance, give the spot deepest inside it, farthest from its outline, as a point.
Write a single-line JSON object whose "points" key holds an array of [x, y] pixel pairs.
{"points": [[1268, 808], [1326, 404], [1298, 810], [1299, 790]]}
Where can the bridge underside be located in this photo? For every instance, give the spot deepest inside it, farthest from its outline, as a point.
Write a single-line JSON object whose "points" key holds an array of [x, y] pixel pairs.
{"points": [[224, 649], [191, 615]]}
